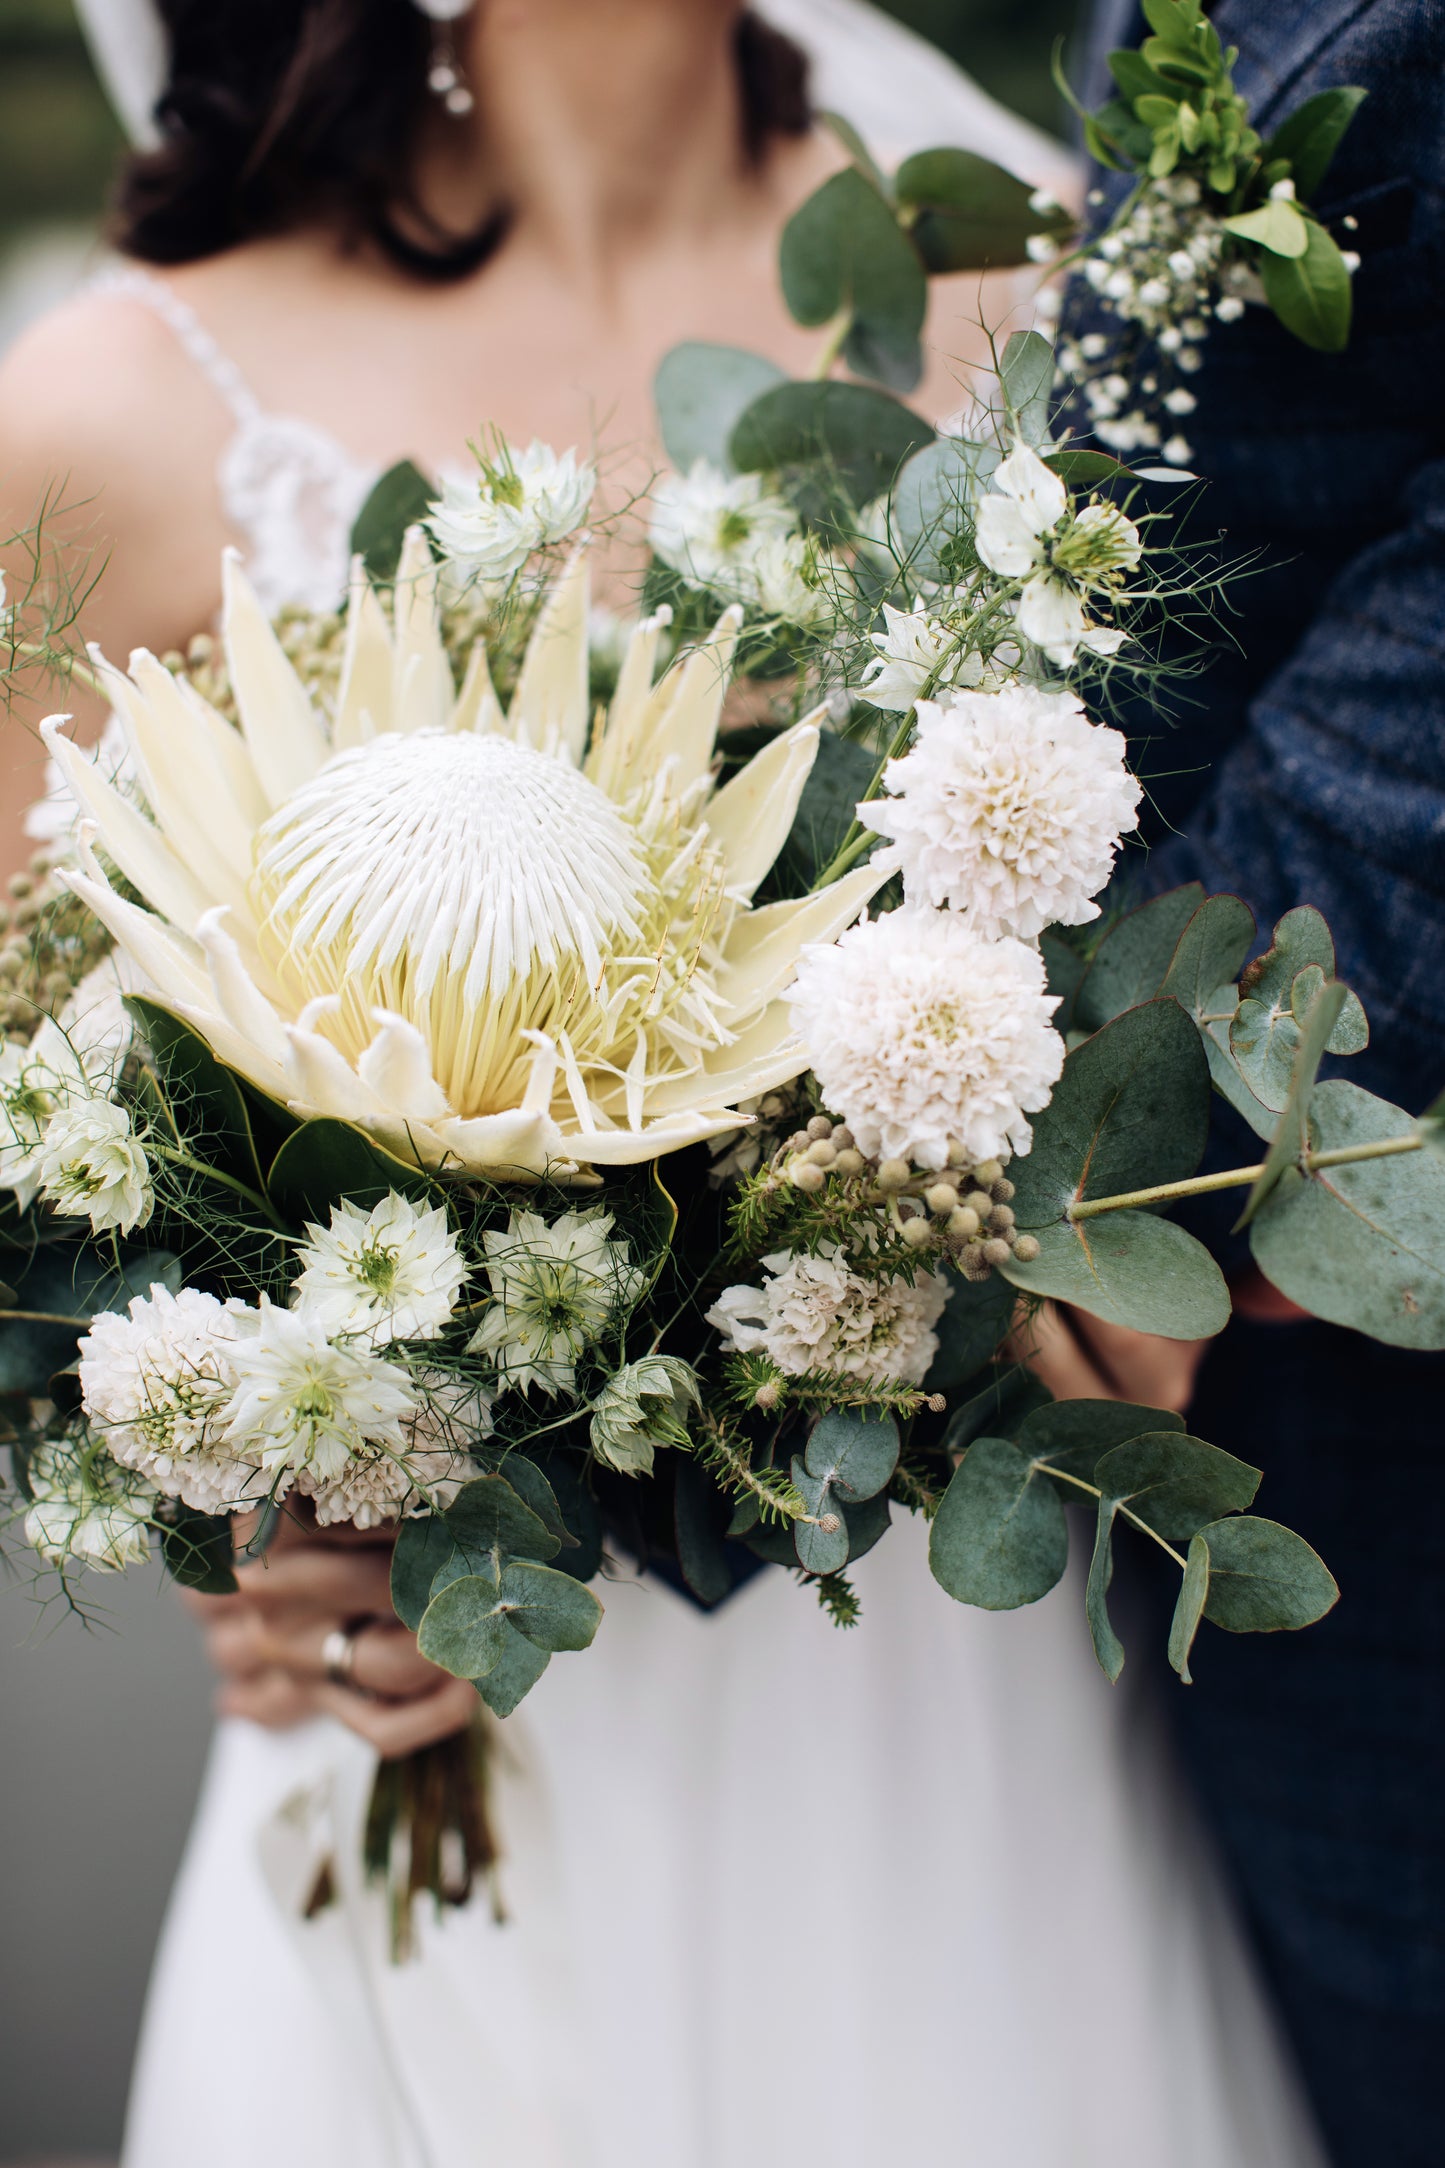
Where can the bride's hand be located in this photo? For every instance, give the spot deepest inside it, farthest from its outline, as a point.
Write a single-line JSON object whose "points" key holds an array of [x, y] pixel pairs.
{"points": [[267, 1640], [1079, 1357]]}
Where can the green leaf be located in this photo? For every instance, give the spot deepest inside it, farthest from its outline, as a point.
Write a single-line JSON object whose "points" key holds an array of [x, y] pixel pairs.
{"points": [[1134, 76], [423, 1546], [463, 1628], [999, 1409], [932, 501], [819, 1549], [196, 1550], [999, 1539], [853, 1451], [1276, 227], [855, 439], [1131, 1109], [970, 212], [1291, 1137], [976, 1317], [700, 1517], [1311, 135], [401, 498], [1026, 374], [1175, 1483], [1264, 1578], [514, 1674], [1108, 1648], [203, 1098], [1071, 1436], [326, 1161], [857, 150], [1202, 975], [1264, 1036], [550, 1608], [1086, 470], [1131, 960], [1189, 1607], [700, 390], [867, 1524], [1129, 1269], [1361, 1245], [488, 1517], [844, 250], [1311, 295], [1064, 971], [534, 1490]]}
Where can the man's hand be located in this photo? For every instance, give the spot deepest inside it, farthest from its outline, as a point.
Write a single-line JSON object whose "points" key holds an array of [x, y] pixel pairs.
{"points": [[1079, 1357], [266, 1641]]}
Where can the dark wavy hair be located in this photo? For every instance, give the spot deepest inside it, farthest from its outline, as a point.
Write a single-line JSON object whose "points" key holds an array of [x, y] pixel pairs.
{"points": [[279, 113]]}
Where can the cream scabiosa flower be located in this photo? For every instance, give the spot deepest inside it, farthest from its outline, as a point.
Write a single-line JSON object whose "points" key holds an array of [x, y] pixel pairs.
{"points": [[555, 1288], [154, 1383], [1009, 806], [1025, 531], [491, 944], [817, 1313], [392, 1273], [924, 1035]]}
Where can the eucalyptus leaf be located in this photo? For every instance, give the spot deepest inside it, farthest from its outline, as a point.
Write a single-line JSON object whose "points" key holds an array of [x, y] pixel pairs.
{"points": [[1026, 373], [1363, 1244], [534, 1490], [196, 1550], [970, 213], [550, 1608], [700, 1516], [1130, 962], [844, 251], [402, 497], [1202, 975], [487, 1516], [1264, 1036], [1189, 1606], [1071, 1436], [516, 1671], [203, 1098], [820, 1549], [464, 1628], [999, 1409], [1291, 1136], [854, 1450], [1131, 1269], [841, 775], [975, 1319], [855, 438], [1311, 294], [932, 501], [423, 1546], [328, 1162], [867, 1524], [1064, 971], [1108, 1648], [999, 1539], [699, 391], [1174, 1483], [1264, 1578]]}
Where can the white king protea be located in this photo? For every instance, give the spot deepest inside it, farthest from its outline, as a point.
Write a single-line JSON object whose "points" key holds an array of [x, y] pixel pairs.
{"points": [[493, 943]]}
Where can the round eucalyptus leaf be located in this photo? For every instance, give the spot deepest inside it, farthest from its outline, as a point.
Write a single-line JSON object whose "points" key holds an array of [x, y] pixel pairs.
{"points": [[1026, 373], [487, 1516], [999, 1539], [844, 250], [1130, 962], [970, 212], [463, 1628], [1130, 1269], [1175, 1483], [699, 391], [820, 1550], [1264, 1578], [1189, 1607], [854, 1450], [1070, 1436], [856, 438], [514, 1674], [550, 1608], [422, 1548]]}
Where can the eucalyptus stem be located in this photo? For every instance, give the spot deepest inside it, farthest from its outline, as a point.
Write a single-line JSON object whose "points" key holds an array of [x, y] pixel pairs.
{"points": [[838, 330], [215, 1174], [1061, 1475], [1341, 1155]]}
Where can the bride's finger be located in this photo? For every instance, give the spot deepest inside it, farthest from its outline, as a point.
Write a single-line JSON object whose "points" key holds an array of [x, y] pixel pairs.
{"points": [[1057, 1359], [331, 1581], [385, 1659], [400, 1727]]}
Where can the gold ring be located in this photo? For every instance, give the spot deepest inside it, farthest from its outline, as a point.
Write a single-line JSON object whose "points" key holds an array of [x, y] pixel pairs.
{"points": [[338, 1654]]}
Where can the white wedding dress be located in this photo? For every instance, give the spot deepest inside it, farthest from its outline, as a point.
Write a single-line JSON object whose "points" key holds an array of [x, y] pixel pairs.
{"points": [[778, 1894]]}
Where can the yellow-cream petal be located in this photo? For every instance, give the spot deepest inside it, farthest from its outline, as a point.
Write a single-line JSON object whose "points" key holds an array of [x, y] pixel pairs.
{"points": [[478, 707], [761, 954], [363, 704], [138, 848], [285, 739], [549, 706], [680, 729], [608, 762], [422, 688], [750, 816], [194, 781]]}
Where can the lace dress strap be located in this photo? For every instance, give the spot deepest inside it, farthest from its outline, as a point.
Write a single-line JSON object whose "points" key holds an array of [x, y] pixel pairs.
{"points": [[287, 487]]}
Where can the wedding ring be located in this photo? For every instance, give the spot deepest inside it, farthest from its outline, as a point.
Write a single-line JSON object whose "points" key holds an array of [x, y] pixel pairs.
{"points": [[338, 1654]]}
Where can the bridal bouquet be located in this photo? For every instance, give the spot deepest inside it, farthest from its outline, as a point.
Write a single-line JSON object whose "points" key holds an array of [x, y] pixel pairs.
{"points": [[572, 1091]]}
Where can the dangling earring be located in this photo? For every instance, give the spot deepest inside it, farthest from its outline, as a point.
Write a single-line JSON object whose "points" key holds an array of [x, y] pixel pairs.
{"points": [[444, 76]]}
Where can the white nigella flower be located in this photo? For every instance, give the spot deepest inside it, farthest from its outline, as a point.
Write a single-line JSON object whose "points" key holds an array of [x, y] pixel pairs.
{"points": [[1026, 531], [93, 1166], [917, 653], [488, 524], [1009, 806], [642, 1406], [785, 580], [377, 1485], [493, 943], [72, 1059], [87, 1508], [302, 1401], [555, 1288], [822, 1313], [154, 1383], [710, 526], [392, 1273], [923, 1034]]}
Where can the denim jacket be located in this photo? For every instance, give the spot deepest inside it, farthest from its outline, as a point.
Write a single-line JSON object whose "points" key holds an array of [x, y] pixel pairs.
{"points": [[1310, 766]]}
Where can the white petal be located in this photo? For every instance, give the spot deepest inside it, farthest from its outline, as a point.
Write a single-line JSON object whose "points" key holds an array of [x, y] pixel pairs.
{"points": [[767, 1054], [366, 669], [514, 1142], [750, 816], [1035, 488], [762, 954], [420, 665], [612, 753], [1004, 539], [478, 707], [286, 741], [322, 1079], [237, 995], [1052, 616], [140, 851], [550, 702], [397, 1067], [171, 963], [193, 793], [686, 706]]}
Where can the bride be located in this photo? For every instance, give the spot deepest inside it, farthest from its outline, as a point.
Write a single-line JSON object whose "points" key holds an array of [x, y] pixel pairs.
{"points": [[757, 1913]]}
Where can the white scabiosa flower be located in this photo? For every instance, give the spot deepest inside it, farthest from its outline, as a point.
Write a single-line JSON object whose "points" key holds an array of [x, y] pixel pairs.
{"points": [[1009, 806], [392, 1273], [1026, 531], [823, 1313], [917, 653], [924, 1034], [378, 1485], [555, 1288], [642, 1406], [155, 1382], [303, 1402], [86, 1508], [93, 1166], [710, 526], [488, 524]]}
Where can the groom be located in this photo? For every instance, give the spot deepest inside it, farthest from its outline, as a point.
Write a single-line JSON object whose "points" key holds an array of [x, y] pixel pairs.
{"points": [[1320, 1757]]}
